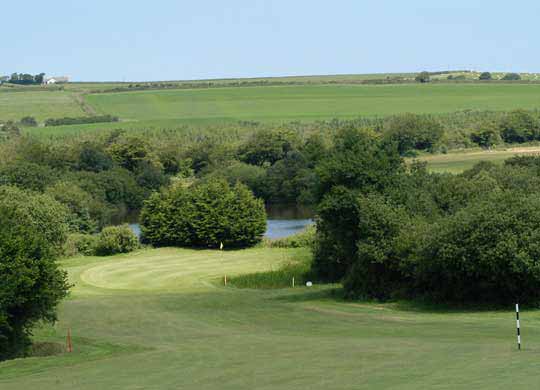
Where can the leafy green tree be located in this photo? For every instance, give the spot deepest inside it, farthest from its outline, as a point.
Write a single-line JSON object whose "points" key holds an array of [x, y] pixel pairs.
{"points": [[487, 252], [519, 126], [32, 232], [265, 147], [29, 121], [115, 239], [27, 175], [377, 271], [358, 160], [93, 158], [204, 215], [423, 77], [130, 151], [413, 131], [485, 76], [511, 77], [487, 136], [79, 203]]}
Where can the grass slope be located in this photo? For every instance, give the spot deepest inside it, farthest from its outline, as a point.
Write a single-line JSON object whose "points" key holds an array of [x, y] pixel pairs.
{"points": [[312, 102], [155, 320]]}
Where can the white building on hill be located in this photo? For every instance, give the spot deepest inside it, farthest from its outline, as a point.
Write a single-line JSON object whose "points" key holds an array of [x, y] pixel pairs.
{"points": [[56, 80]]}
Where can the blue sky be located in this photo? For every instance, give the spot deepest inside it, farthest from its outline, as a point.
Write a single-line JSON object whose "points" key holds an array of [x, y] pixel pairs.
{"points": [[172, 40]]}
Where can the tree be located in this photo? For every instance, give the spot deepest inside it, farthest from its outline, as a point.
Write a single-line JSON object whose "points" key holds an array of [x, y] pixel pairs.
{"points": [[519, 126], [93, 158], [33, 230], [29, 121], [79, 203], [265, 147], [130, 151], [423, 77], [487, 136], [485, 76], [487, 252], [27, 175], [204, 215], [115, 239], [413, 131], [359, 160], [512, 77]]}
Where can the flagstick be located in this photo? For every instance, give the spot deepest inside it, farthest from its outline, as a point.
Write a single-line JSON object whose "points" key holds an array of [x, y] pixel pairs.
{"points": [[69, 344], [517, 323]]}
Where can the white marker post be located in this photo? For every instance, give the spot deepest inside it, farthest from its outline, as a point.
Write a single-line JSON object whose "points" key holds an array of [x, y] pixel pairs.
{"points": [[293, 281], [517, 323]]}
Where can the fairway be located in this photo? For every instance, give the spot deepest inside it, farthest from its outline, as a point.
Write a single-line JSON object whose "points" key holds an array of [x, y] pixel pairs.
{"points": [[159, 319], [312, 102]]}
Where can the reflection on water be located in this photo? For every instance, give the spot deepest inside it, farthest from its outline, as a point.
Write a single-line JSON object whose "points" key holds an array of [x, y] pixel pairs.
{"points": [[280, 228], [283, 221]]}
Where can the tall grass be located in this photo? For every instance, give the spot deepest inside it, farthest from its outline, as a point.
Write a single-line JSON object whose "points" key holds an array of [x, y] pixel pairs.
{"points": [[299, 268]]}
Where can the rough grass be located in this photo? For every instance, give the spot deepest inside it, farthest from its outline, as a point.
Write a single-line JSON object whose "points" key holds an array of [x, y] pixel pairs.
{"points": [[156, 320]]}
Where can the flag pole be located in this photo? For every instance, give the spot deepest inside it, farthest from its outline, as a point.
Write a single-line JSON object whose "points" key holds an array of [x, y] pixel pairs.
{"points": [[517, 324]]}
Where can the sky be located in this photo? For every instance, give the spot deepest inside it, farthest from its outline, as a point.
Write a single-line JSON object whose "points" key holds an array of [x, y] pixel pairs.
{"points": [[142, 40]]}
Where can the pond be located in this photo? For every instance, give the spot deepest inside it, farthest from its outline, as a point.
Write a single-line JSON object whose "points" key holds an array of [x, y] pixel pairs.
{"points": [[282, 221]]}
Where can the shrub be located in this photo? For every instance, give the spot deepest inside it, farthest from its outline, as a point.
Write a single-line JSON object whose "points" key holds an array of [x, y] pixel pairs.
{"points": [[512, 77], [485, 76], [81, 120], [423, 77], [116, 239], [204, 215], [519, 126], [486, 136], [28, 121], [413, 131], [487, 252], [80, 244]]}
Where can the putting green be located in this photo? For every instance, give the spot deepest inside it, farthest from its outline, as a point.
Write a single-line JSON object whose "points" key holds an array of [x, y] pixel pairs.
{"points": [[177, 269]]}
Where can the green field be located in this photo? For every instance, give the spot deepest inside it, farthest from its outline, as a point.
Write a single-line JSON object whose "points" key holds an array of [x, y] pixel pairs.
{"points": [[313, 102], [39, 104], [456, 162], [160, 319]]}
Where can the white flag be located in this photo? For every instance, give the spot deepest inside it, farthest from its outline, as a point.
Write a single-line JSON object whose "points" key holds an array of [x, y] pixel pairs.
{"points": [[221, 246]]}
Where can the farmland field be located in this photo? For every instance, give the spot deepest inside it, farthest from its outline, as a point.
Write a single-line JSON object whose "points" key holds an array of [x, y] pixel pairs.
{"points": [[314, 102], [159, 319], [40, 104]]}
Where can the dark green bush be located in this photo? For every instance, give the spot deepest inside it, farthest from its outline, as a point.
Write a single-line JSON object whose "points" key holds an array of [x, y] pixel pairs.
{"points": [[487, 252], [81, 120], [80, 244], [485, 76], [204, 215], [28, 121], [520, 126], [115, 239], [511, 77], [413, 131]]}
